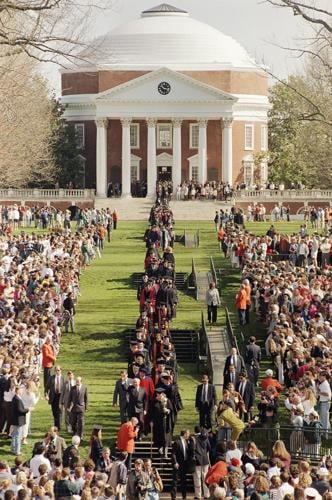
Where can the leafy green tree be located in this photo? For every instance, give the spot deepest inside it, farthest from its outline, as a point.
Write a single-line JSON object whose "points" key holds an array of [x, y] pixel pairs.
{"points": [[68, 156]]}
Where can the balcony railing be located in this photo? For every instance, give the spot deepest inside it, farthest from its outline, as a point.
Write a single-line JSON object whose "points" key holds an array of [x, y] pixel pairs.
{"points": [[46, 194], [278, 195]]}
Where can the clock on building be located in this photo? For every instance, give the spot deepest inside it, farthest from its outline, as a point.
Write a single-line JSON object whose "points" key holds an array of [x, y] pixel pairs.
{"points": [[164, 88]]}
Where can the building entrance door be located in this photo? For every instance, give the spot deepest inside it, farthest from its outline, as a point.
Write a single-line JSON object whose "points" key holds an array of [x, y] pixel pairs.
{"points": [[164, 174]]}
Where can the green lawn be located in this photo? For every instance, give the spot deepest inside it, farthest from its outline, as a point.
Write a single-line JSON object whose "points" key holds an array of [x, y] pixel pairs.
{"points": [[108, 307]]}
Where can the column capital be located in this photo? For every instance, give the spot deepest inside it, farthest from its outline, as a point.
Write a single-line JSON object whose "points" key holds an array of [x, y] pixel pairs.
{"points": [[227, 122], [126, 122], [202, 122], [102, 122], [177, 122], [151, 122]]}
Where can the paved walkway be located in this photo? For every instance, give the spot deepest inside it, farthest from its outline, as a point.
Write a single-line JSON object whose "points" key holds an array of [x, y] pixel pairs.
{"points": [[139, 208]]}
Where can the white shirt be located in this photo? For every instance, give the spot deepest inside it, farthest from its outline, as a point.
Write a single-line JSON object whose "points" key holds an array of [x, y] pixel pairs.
{"points": [[285, 489], [184, 446], [324, 387], [36, 461]]}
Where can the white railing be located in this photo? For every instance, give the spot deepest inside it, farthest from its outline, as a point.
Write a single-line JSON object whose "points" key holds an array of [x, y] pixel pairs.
{"points": [[46, 194], [287, 194]]}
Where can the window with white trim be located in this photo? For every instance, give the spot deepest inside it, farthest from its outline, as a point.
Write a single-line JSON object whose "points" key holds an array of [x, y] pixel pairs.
{"points": [[164, 135], [193, 135], [134, 135], [249, 137], [264, 138], [194, 173], [134, 173], [80, 135]]}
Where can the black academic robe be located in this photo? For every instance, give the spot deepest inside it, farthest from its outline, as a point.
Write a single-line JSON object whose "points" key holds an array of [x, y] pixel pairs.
{"points": [[162, 417]]}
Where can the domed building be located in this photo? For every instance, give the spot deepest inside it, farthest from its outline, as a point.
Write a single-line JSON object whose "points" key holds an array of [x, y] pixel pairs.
{"points": [[167, 97]]}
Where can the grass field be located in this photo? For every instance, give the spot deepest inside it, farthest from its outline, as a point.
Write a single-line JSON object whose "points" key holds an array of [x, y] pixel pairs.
{"points": [[108, 308]]}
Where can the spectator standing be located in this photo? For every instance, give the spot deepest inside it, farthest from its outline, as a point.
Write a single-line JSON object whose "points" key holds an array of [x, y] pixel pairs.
{"points": [[138, 482], [48, 360], [127, 434], [252, 359], [201, 454], [212, 301], [18, 421]]}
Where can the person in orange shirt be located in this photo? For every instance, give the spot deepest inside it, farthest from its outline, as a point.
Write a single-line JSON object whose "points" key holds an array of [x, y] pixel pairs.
{"points": [[248, 292], [126, 438], [269, 381], [48, 360], [220, 237], [241, 304]]}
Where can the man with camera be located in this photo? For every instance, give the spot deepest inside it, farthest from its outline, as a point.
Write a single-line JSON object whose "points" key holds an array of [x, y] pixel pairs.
{"points": [[138, 482]]}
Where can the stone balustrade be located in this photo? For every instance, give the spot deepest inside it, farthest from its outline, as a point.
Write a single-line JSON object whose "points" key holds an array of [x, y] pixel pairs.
{"points": [[305, 195]]}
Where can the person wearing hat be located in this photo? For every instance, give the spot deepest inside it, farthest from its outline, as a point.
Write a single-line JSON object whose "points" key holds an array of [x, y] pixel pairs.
{"points": [[312, 494], [322, 484], [161, 419], [313, 435]]}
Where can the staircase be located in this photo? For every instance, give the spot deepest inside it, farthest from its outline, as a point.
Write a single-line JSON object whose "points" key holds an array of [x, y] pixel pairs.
{"points": [[202, 282], [180, 280], [143, 449], [185, 344], [219, 349]]}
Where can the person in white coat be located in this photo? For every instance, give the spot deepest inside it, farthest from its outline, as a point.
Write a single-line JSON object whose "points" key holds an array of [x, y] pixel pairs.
{"points": [[212, 301], [30, 398]]}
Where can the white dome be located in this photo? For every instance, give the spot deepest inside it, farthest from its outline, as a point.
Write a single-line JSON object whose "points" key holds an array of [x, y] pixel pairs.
{"points": [[167, 36]]}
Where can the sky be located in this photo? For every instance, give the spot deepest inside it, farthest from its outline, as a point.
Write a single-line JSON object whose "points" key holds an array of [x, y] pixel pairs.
{"points": [[261, 28]]}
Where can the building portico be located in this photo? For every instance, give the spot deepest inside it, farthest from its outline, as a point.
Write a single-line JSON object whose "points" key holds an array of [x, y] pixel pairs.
{"points": [[169, 97]]}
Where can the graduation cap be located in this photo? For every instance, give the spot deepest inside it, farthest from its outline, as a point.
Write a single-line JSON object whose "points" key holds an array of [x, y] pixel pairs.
{"points": [[143, 370], [160, 361], [164, 375], [159, 390], [139, 354], [133, 342], [166, 352]]}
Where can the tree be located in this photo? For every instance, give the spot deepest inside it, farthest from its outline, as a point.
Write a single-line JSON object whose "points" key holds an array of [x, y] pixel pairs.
{"points": [[317, 49], [68, 156], [26, 124], [299, 143], [46, 30]]}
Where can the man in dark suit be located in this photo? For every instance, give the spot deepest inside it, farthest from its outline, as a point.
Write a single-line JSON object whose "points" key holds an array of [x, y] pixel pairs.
{"points": [[252, 359], [182, 459], [247, 390], [64, 399], [231, 377], [121, 394], [78, 405], [137, 403], [18, 421], [54, 388], [206, 400], [235, 359]]}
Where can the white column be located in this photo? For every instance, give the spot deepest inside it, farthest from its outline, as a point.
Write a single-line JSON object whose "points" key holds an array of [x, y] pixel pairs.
{"points": [[101, 157], [152, 161], [227, 151], [202, 151], [126, 158], [177, 154]]}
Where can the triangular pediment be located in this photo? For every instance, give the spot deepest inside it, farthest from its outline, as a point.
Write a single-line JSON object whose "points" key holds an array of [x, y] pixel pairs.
{"points": [[164, 85]]}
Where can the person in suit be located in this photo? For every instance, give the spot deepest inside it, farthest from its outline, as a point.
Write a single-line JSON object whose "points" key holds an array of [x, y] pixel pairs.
{"points": [[121, 394], [252, 359], [64, 398], [54, 388], [206, 400], [18, 420], [246, 389], [78, 405], [182, 459], [235, 359], [137, 403], [231, 377], [55, 445]]}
